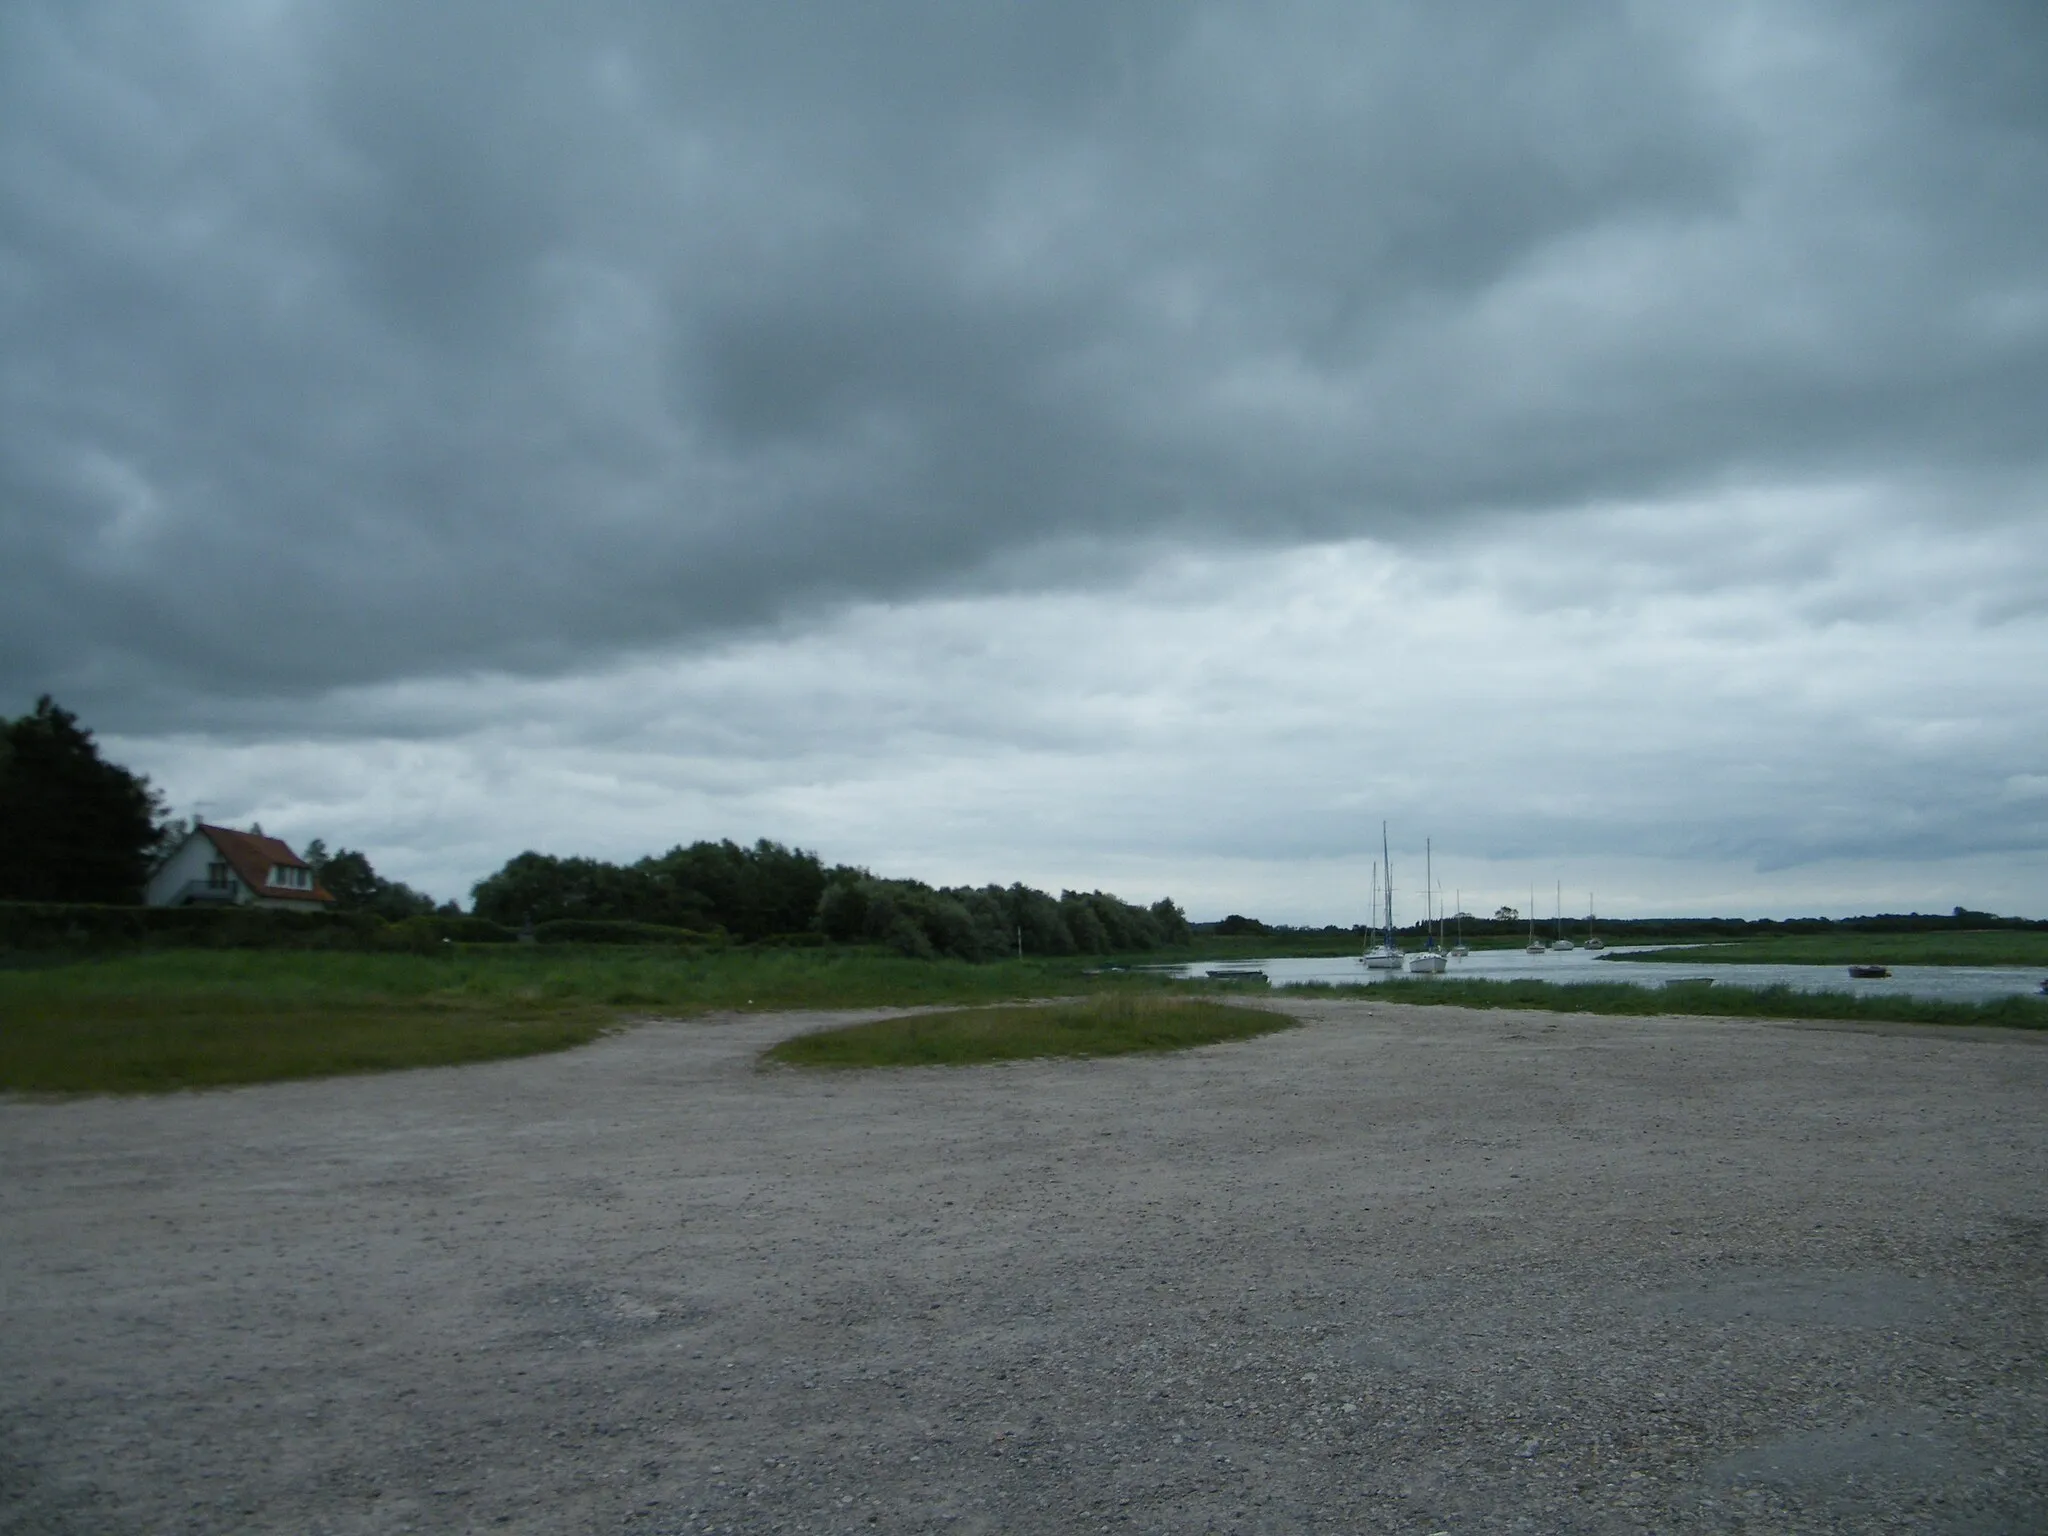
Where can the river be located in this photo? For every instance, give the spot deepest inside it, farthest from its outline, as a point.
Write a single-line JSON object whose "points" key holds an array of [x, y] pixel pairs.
{"points": [[1952, 983]]}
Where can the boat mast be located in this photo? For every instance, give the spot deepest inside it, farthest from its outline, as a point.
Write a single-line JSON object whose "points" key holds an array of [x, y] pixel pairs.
{"points": [[1428, 885], [1387, 862], [1373, 910]]}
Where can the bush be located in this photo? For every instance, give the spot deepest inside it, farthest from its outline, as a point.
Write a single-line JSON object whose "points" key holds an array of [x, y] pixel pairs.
{"points": [[34, 925], [594, 930], [470, 930]]}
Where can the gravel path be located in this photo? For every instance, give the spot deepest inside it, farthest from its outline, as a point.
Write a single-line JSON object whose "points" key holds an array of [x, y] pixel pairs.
{"points": [[1402, 1269]]}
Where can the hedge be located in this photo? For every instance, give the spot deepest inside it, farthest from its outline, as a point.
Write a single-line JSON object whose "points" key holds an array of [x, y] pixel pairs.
{"points": [[591, 930], [81, 925]]}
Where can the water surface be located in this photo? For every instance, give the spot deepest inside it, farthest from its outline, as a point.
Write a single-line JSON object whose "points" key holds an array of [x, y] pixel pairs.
{"points": [[1951, 983]]}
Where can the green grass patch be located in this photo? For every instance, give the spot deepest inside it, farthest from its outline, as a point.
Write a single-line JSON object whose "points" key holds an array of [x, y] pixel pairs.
{"points": [[1719, 1001], [164, 1019], [1992, 947], [1110, 1024], [148, 1045]]}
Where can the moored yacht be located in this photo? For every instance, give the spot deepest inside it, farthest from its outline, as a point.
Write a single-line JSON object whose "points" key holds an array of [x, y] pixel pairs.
{"points": [[1383, 956], [1592, 938], [1432, 960], [1561, 942]]}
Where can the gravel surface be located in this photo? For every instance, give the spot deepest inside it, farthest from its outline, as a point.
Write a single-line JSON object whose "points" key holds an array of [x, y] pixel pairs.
{"points": [[1401, 1269]]}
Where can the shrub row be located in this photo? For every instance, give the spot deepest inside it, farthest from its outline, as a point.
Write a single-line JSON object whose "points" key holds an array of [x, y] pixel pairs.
{"points": [[52, 925], [65, 925]]}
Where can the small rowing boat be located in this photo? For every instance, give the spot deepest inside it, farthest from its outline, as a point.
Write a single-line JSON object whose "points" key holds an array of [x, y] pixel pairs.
{"points": [[1868, 972]]}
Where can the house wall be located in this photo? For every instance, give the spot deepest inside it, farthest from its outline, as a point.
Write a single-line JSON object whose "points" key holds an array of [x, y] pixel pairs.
{"points": [[188, 863]]}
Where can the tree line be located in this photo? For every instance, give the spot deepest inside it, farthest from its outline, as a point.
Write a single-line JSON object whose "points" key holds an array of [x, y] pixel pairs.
{"points": [[769, 890], [76, 828]]}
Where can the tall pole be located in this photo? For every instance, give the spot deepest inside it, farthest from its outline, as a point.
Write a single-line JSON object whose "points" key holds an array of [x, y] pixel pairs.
{"points": [[1428, 889], [1387, 863]]}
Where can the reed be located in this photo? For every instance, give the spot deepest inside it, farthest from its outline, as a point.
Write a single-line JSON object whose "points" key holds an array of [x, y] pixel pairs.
{"points": [[1622, 997]]}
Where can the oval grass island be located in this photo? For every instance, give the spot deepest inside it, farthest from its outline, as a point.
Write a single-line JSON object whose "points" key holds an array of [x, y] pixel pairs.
{"points": [[1109, 1024]]}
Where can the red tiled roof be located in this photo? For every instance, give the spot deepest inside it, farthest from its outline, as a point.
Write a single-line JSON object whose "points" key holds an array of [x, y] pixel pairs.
{"points": [[252, 856]]}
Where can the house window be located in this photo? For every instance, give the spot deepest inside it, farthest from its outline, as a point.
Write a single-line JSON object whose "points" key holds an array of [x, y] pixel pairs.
{"points": [[290, 877], [217, 875]]}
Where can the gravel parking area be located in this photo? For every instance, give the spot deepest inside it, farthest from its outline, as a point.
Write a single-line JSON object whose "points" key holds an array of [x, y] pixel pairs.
{"points": [[1401, 1269]]}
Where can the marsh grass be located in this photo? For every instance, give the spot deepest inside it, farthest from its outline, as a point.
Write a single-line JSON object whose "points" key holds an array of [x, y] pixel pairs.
{"points": [[1713, 1001], [148, 1045], [166, 1019], [1993, 947], [1109, 1024]]}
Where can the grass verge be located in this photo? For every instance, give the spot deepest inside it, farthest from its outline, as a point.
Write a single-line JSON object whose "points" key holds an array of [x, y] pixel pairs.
{"points": [[1110, 1024], [168, 1019], [1715, 1001], [1986, 948], [149, 1045]]}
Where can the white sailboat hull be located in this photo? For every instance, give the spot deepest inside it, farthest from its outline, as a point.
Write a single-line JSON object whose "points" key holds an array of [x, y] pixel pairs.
{"points": [[1428, 964], [1382, 960]]}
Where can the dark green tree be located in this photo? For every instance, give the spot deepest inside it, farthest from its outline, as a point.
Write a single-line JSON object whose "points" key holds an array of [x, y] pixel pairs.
{"points": [[72, 826], [357, 887]]}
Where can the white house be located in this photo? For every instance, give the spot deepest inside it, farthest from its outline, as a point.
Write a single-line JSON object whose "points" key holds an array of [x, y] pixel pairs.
{"points": [[220, 866]]}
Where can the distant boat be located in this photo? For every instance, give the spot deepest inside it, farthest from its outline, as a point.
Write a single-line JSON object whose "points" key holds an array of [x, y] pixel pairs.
{"points": [[1535, 945], [1868, 972], [1592, 938], [1431, 961], [1235, 973], [1383, 956], [1562, 941], [1459, 950]]}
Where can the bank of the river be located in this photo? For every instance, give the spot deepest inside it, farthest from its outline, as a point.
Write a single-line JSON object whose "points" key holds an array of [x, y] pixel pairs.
{"points": [[1996, 947], [1908, 985]]}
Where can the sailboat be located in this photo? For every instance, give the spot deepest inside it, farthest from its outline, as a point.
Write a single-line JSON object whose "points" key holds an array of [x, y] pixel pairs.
{"points": [[1432, 960], [1383, 956], [1535, 945], [1459, 950], [1592, 938], [1562, 941]]}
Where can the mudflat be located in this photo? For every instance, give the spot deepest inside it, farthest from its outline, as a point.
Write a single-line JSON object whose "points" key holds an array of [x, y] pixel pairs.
{"points": [[1399, 1269]]}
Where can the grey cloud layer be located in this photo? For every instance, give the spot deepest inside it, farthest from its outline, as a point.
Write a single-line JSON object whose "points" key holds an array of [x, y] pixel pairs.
{"points": [[1225, 719], [423, 338]]}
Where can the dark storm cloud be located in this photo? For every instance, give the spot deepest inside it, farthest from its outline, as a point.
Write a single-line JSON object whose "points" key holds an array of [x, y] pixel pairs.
{"points": [[345, 343]]}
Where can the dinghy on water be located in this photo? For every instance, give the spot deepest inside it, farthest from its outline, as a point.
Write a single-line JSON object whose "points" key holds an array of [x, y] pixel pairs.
{"points": [[1868, 972]]}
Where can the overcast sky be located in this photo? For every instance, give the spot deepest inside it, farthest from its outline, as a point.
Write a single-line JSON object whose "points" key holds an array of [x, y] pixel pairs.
{"points": [[1136, 446]]}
